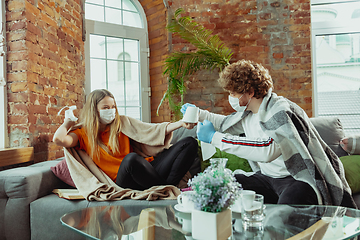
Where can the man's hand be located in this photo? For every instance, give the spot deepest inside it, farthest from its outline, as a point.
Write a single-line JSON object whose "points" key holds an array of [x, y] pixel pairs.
{"points": [[185, 106], [205, 131]]}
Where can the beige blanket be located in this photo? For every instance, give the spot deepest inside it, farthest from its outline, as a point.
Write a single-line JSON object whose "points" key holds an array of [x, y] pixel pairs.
{"points": [[95, 185]]}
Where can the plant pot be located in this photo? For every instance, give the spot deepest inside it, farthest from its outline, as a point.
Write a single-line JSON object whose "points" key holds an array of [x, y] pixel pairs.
{"points": [[211, 226]]}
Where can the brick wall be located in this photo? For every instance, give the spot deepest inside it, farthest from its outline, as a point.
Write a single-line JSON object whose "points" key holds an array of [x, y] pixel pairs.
{"points": [[156, 14], [274, 33], [45, 70]]}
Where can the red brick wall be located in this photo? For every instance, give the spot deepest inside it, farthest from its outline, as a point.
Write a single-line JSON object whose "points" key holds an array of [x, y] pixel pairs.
{"points": [[156, 14], [45, 70], [274, 33]]}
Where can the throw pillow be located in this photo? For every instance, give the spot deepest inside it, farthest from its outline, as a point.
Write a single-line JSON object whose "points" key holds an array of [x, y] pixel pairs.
{"points": [[234, 162], [62, 172], [351, 144], [331, 131], [352, 171]]}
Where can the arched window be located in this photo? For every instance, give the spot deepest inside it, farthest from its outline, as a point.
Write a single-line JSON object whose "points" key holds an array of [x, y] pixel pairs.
{"points": [[116, 54]]}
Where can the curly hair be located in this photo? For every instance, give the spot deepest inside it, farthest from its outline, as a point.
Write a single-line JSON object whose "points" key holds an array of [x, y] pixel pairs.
{"points": [[244, 75]]}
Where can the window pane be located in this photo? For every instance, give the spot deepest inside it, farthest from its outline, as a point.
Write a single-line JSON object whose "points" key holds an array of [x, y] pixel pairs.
{"points": [[128, 5], [115, 86], [339, 12], [343, 104], [97, 46], [115, 48], [112, 71], [337, 61], [122, 12], [98, 74], [93, 12], [113, 3], [132, 19], [113, 15], [121, 109], [338, 78], [132, 87], [132, 72], [120, 96], [132, 48], [133, 112]]}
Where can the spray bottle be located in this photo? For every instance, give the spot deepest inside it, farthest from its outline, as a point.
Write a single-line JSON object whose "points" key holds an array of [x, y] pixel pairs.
{"points": [[69, 113]]}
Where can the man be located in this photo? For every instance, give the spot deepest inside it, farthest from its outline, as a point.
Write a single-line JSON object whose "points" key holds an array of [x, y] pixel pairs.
{"points": [[291, 163]]}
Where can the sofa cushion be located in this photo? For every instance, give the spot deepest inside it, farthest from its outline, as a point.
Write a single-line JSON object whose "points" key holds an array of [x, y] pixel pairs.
{"points": [[61, 170], [352, 171], [331, 131]]}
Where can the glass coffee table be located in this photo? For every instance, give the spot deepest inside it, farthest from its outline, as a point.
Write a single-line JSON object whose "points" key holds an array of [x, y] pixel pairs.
{"points": [[171, 222]]}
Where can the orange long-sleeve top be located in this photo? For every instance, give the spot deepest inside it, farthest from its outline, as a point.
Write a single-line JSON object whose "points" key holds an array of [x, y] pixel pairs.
{"points": [[109, 163]]}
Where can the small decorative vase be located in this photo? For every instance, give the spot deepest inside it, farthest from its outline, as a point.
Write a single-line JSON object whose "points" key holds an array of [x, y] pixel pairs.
{"points": [[211, 226]]}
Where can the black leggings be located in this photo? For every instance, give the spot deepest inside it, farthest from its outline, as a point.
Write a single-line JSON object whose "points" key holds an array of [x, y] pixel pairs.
{"points": [[285, 190], [167, 168]]}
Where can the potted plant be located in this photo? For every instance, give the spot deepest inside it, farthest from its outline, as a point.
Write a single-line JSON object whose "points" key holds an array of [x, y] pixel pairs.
{"points": [[211, 54], [216, 189]]}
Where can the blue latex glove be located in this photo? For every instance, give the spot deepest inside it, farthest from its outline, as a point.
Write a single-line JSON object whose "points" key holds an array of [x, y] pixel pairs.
{"points": [[205, 131], [185, 106]]}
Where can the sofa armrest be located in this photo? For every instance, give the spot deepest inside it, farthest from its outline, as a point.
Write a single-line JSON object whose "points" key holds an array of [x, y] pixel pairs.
{"points": [[18, 188]]}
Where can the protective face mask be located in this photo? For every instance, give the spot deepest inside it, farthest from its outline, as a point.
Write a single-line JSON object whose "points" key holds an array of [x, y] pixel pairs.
{"points": [[107, 115], [234, 102]]}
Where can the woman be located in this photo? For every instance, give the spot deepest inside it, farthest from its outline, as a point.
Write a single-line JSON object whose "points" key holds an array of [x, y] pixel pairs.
{"points": [[132, 153], [291, 163]]}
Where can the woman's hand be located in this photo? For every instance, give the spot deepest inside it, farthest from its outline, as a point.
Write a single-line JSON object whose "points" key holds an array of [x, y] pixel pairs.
{"points": [[344, 143], [175, 125], [61, 136], [188, 125]]}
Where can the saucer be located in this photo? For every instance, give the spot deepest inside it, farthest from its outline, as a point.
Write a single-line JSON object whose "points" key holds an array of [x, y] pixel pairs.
{"points": [[180, 208]]}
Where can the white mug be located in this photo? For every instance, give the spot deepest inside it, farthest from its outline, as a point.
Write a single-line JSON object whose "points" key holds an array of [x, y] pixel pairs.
{"points": [[191, 115], [184, 199], [237, 206], [247, 198], [186, 224]]}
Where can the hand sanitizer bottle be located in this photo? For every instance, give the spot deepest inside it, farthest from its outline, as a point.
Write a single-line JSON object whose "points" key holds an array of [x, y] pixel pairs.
{"points": [[69, 113]]}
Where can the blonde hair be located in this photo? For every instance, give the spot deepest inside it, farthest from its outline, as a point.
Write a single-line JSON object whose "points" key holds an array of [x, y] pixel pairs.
{"points": [[89, 120], [244, 76]]}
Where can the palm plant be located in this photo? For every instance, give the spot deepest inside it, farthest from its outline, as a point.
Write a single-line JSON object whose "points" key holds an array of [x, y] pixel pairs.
{"points": [[211, 54]]}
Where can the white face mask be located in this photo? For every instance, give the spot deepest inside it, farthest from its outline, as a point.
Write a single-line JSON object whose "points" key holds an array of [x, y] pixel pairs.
{"points": [[107, 115], [234, 102]]}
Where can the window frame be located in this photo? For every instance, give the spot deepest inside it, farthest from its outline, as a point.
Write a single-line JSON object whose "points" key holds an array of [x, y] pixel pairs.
{"points": [[327, 28], [123, 31], [4, 140]]}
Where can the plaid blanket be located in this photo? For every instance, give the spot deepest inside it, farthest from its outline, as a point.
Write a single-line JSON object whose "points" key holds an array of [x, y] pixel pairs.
{"points": [[307, 157]]}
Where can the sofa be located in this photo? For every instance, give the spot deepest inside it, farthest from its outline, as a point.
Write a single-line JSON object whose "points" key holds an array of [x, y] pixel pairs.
{"points": [[29, 209]]}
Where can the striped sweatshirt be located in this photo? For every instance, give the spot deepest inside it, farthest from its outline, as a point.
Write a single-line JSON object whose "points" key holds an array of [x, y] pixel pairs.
{"points": [[255, 145]]}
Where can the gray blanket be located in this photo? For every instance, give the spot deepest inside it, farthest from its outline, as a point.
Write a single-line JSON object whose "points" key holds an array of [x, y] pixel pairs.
{"points": [[306, 155]]}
